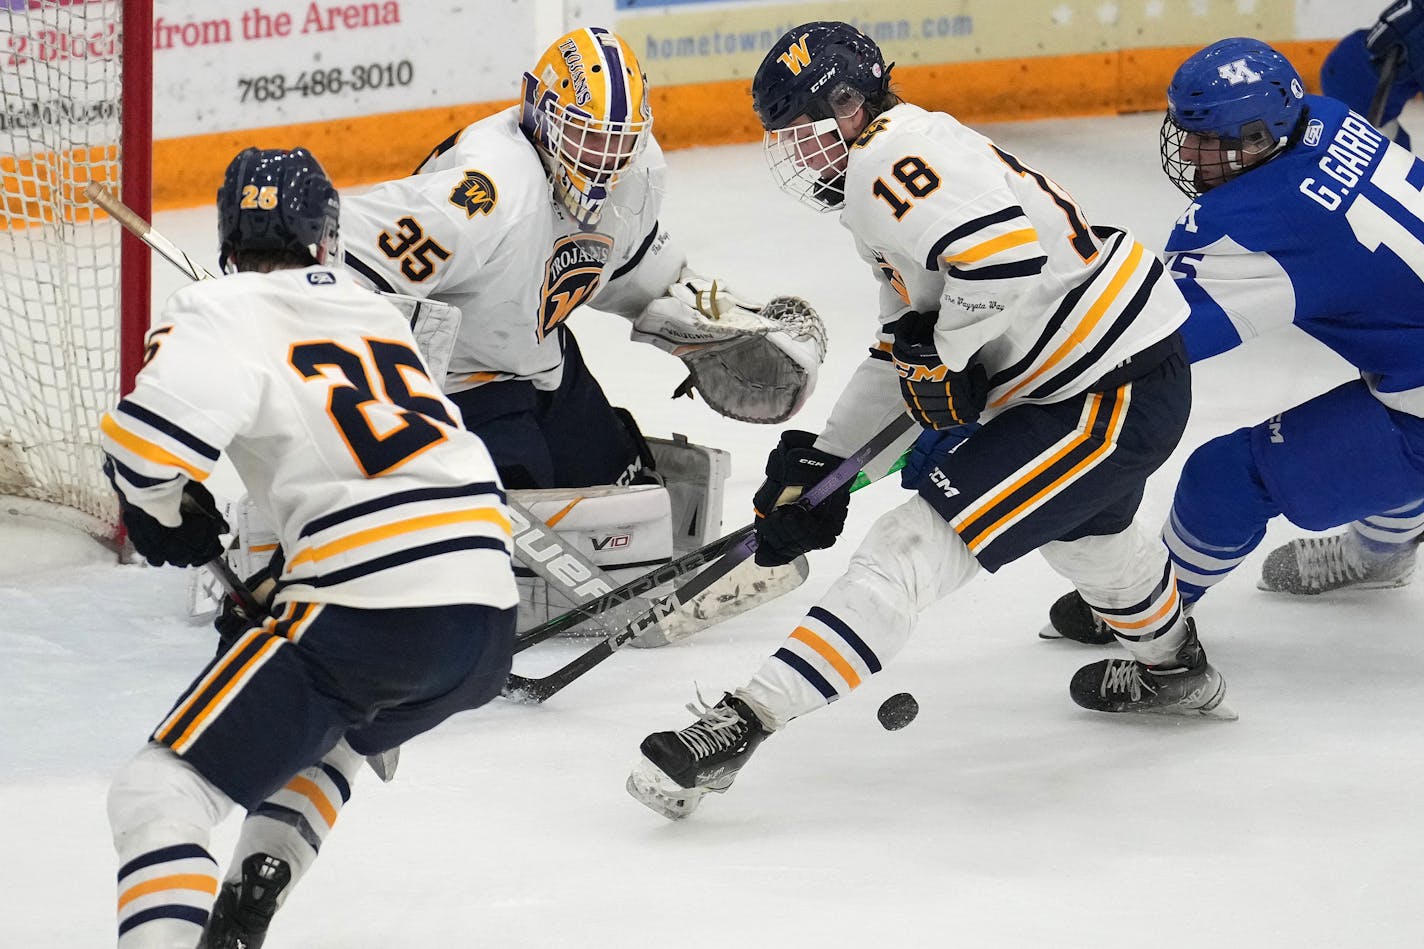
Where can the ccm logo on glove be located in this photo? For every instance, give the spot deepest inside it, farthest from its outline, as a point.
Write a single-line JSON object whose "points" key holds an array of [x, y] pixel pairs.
{"points": [[936, 396]]}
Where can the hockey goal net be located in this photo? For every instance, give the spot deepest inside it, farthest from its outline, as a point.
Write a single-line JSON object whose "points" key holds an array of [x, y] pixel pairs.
{"points": [[76, 88]]}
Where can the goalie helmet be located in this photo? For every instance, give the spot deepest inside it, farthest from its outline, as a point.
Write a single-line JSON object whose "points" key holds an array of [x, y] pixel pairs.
{"points": [[586, 111], [1230, 106], [814, 75], [276, 200]]}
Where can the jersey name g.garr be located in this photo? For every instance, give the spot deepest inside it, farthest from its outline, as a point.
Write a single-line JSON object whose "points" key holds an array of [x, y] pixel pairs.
{"points": [[1346, 159]]}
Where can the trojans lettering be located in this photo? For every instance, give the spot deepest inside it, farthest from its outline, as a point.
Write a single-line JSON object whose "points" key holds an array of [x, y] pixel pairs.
{"points": [[571, 276]]}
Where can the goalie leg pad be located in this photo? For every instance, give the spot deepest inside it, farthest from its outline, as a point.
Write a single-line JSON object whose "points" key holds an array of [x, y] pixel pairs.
{"points": [[253, 543], [695, 477], [627, 531]]}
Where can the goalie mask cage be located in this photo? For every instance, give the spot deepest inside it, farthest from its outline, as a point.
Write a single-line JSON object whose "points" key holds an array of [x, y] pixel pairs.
{"points": [[77, 106]]}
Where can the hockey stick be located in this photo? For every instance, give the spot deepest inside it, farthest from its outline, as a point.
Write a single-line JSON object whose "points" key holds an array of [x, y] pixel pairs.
{"points": [[235, 588], [690, 562], [144, 231], [538, 690], [1388, 69]]}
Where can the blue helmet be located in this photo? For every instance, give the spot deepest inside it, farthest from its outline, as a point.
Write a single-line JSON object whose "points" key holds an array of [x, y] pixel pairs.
{"points": [[1239, 91], [813, 68], [277, 200]]}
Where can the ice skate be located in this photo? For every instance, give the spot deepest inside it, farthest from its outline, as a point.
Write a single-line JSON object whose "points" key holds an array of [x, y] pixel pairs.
{"points": [[244, 910], [678, 768], [1186, 685], [1312, 565], [1070, 618]]}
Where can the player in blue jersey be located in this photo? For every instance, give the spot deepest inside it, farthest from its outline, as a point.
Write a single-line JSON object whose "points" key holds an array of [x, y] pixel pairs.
{"points": [[1351, 71], [1304, 213]]}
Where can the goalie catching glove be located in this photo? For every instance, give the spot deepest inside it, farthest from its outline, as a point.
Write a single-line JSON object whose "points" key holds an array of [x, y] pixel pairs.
{"points": [[937, 397], [751, 362], [785, 529]]}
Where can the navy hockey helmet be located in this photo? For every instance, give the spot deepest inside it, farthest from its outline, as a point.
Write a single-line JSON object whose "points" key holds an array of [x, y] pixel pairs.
{"points": [[277, 200], [814, 76], [816, 70], [1241, 97]]}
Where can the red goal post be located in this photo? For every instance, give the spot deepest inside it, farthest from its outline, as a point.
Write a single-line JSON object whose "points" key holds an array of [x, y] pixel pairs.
{"points": [[76, 105]]}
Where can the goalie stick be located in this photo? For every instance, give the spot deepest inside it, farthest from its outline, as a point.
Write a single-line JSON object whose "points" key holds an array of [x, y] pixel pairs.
{"points": [[520, 688], [688, 563]]}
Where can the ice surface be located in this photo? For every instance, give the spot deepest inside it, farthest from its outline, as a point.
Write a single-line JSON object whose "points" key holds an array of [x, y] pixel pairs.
{"points": [[1004, 816]]}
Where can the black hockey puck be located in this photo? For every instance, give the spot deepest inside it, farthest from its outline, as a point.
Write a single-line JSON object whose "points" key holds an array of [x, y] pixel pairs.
{"points": [[898, 711]]}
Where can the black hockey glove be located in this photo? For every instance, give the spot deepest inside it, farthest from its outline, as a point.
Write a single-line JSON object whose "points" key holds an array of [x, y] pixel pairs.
{"points": [[937, 397], [193, 542], [232, 620], [1402, 25], [786, 530]]}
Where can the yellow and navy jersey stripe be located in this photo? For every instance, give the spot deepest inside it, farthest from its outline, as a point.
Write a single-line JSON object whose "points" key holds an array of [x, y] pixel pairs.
{"points": [[1045, 476], [1075, 344], [149, 449], [828, 654], [397, 529], [1001, 245]]}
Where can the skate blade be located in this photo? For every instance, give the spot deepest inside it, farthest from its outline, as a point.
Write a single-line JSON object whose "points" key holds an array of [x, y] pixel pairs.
{"points": [[650, 787], [1393, 584]]}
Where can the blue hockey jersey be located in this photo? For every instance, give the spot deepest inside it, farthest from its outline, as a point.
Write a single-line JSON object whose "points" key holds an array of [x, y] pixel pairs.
{"points": [[1328, 235]]}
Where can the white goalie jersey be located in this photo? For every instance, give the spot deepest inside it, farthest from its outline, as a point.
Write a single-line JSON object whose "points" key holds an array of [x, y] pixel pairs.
{"points": [[313, 388], [478, 228], [1022, 283]]}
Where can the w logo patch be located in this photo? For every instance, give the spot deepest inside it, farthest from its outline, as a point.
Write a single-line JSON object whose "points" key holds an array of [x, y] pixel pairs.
{"points": [[1236, 72]]}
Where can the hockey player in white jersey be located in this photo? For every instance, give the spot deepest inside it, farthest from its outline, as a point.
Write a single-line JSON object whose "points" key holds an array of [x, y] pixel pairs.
{"points": [[394, 609], [523, 218], [1050, 346]]}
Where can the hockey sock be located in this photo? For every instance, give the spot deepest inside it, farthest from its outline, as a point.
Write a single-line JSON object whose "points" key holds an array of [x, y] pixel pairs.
{"points": [[910, 559], [292, 824]]}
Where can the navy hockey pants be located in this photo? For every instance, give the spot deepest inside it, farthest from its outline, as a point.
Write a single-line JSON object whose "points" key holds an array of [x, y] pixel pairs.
{"points": [[285, 693], [566, 438], [1067, 470]]}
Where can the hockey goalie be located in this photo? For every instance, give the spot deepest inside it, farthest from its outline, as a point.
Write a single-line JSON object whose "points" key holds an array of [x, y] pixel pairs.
{"points": [[518, 221]]}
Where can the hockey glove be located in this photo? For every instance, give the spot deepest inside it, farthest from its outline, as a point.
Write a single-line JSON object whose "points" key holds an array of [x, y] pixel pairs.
{"points": [[1402, 25], [785, 529], [936, 396], [195, 541], [928, 449]]}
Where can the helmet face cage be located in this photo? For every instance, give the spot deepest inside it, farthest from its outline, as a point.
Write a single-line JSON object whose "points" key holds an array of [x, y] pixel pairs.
{"points": [[1213, 160], [276, 200], [586, 109], [1229, 107], [812, 76], [808, 161]]}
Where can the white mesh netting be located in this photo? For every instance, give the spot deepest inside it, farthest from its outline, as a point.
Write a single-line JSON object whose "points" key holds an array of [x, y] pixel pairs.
{"points": [[59, 312]]}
